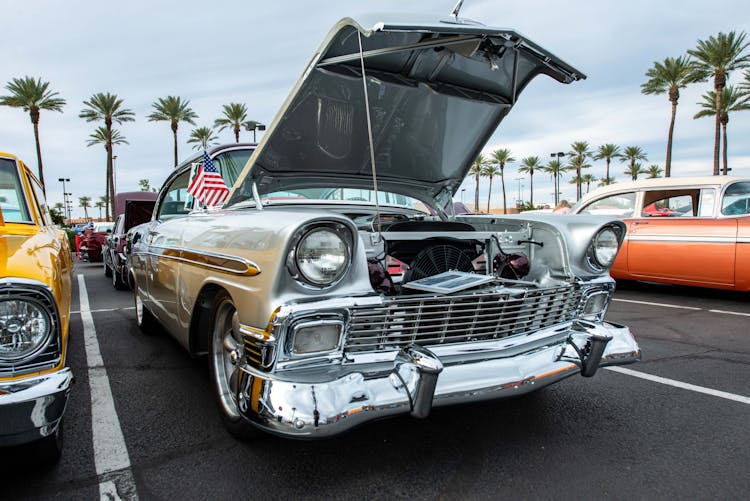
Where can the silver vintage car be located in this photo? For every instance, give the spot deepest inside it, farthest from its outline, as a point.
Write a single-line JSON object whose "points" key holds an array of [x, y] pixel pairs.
{"points": [[290, 288]]}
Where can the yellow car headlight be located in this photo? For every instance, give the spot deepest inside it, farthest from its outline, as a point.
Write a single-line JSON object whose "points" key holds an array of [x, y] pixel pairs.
{"points": [[25, 328]]}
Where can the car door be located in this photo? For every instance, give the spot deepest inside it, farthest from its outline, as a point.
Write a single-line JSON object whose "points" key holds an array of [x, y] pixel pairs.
{"points": [[163, 243], [677, 238]]}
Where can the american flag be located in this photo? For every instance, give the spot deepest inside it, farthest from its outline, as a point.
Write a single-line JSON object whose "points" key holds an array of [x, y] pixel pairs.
{"points": [[207, 186]]}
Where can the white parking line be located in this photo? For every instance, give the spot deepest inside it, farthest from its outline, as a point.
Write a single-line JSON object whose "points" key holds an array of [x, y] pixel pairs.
{"points": [[657, 304], [680, 384], [110, 453], [730, 313], [104, 310], [665, 305]]}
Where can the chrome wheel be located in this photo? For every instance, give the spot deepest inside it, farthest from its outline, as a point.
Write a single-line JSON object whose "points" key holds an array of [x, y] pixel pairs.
{"points": [[225, 344]]}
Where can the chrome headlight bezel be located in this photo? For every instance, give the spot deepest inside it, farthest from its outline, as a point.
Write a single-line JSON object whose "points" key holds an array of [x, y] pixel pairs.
{"points": [[604, 247], [300, 328], [299, 270], [43, 340]]}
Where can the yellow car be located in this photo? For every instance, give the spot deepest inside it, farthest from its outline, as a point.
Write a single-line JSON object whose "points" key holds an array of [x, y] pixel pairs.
{"points": [[35, 279]]}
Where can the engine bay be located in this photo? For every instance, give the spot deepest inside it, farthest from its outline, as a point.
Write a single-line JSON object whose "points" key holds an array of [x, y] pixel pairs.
{"points": [[405, 250]]}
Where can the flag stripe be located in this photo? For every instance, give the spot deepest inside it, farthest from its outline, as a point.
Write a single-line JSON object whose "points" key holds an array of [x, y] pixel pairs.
{"points": [[207, 186]]}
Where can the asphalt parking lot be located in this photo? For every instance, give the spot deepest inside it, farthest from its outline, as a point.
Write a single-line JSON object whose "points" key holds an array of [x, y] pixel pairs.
{"points": [[141, 422]]}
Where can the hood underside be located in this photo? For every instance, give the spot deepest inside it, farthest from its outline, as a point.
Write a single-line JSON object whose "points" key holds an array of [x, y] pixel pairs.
{"points": [[436, 93]]}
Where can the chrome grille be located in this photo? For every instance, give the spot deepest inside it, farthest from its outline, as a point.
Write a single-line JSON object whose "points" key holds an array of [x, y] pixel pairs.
{"points": [[461, 318], [50, 356], [257, 353]]}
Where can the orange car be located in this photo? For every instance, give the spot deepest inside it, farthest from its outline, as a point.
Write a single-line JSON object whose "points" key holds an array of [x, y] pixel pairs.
{"points": [[685, 231]]}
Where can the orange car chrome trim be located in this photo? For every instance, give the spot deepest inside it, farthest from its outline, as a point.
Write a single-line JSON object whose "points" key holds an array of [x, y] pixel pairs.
{"points": [[682, 238]]}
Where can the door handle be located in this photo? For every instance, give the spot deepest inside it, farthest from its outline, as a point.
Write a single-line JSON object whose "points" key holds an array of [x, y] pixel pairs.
{"points": [[639, 222]]}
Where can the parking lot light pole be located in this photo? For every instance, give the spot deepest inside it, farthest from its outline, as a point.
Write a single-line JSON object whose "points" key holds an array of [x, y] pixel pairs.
{"points": [[254, 126], [66, 213], [559, 155], [519, 200]]}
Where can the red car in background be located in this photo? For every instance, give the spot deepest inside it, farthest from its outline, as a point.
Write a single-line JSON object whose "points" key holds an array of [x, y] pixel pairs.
{"points": [[92, 240]]}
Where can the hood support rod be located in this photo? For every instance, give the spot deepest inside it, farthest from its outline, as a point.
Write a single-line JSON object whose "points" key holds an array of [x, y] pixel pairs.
{"points": [[369, 134]]}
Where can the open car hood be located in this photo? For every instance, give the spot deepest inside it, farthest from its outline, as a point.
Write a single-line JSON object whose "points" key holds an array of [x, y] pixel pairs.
{"points": [[436, 91]]}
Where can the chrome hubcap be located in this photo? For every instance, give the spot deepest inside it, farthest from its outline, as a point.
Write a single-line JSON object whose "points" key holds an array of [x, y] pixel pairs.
{"points": [[226, 343]]}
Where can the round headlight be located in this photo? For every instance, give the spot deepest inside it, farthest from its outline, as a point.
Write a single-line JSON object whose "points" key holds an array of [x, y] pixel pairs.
{"points": [[606, 245], [322, 256], [24, 329]]}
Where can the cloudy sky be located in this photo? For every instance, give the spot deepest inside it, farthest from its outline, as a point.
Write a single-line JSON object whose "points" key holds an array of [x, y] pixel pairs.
{"points": [[214, 53]]}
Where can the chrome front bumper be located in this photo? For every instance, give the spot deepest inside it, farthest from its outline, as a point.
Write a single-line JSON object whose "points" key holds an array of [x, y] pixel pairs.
{"points": [[317, 404], [31, 408]]}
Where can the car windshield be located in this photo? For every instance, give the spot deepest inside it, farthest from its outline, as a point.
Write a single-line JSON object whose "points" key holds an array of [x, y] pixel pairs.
{"points": [[12, 199], [736, 200], [355, 195]]}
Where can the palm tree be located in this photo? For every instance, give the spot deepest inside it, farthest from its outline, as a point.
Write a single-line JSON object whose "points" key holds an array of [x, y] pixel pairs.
{"points": [[100, 204], [107, 108], [555, 168], [490, 171], [606, 181], [669, 77], [634, 170], [502, 157], [579, 152], [33, 96], [587, 179], [632, 154], [101, 136], [203, 137], [717, 57], [235, 114], [607, 152], [654, 171], [85, 202], [144, 184], [528, 165], [477, 170], [174, 110], [732, 100]]}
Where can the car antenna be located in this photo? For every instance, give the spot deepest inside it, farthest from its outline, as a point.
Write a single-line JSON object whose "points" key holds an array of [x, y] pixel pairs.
{"points": [[457, 8], [369, 134]]}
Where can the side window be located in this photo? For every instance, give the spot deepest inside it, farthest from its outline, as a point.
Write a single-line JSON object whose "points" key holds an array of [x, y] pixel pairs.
{"points": [[41, 201], [12, 196], [736, 201], [619, 205], [671, 203], [175, 200]]}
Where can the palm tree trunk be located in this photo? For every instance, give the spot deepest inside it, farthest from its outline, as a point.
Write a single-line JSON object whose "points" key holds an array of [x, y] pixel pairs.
{"points": [[531, 188], [236, 133], [502, 182], [476, 196], [489, 196], [607, 178], [174, 133], [39, 155], [578, 179], [668, 166], [110, 195], [719, 82], [724, 148]]}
